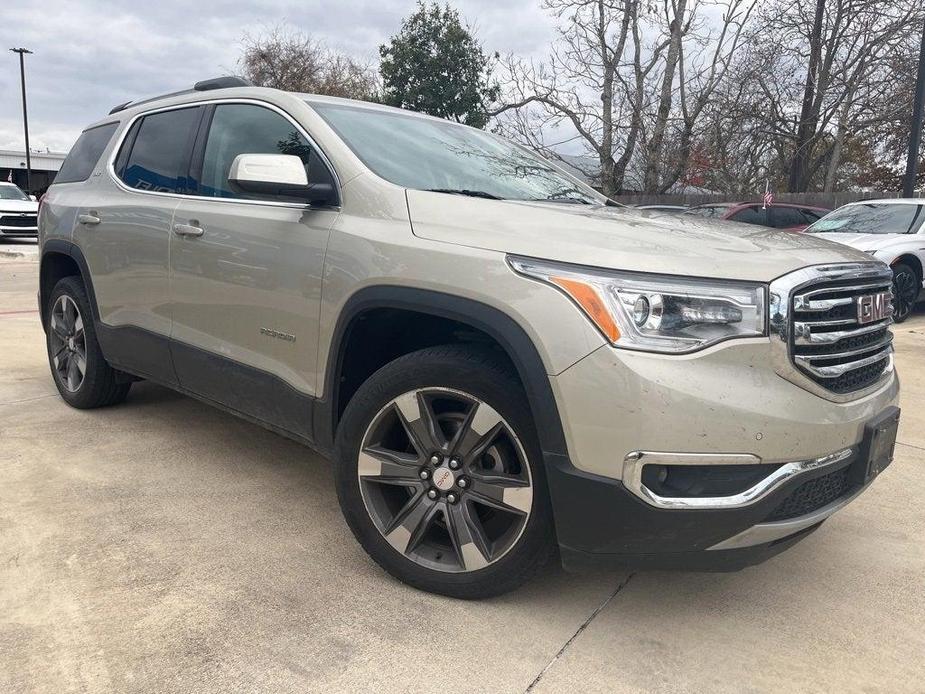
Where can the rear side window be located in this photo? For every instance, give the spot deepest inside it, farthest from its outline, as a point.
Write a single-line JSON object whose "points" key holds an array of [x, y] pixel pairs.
{"points": [[159, 151], [85, 153], [248, 129], [751, 215], [783, 217]]}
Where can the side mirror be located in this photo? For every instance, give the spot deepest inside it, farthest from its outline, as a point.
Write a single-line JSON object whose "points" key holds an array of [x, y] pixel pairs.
{"points": [[33, 198], [277, 175]]}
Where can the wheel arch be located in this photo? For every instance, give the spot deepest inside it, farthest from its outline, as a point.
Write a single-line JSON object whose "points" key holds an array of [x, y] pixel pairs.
{"points": [[912, 260], [61, 259], [432, 307]]}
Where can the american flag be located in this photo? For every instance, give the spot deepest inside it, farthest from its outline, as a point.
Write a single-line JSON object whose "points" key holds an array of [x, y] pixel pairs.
{"points": [[768, 195], [9, 176]]}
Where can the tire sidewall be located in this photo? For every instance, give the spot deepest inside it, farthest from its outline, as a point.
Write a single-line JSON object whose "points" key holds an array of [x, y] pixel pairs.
{"points": [[427, 369], [899, 269]]}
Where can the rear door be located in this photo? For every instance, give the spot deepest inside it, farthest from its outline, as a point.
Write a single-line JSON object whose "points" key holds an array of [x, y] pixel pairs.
{"points": [[246, 289], [124, 232]]}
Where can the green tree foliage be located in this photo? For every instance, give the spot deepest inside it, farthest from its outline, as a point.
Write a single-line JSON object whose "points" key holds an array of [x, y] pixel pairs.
{"points": [[436, 66]]}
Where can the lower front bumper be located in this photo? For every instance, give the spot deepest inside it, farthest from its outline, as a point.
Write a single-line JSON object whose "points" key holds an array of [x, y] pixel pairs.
{"points": [[600, 521]]}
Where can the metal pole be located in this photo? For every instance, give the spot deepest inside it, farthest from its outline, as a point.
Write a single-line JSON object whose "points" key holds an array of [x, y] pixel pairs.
{"points": [[915, 134], [25, 114]]}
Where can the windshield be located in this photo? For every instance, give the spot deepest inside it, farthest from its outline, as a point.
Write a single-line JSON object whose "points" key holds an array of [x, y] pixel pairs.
{"points": [[429, 154], [12, 193], [871, 218]]}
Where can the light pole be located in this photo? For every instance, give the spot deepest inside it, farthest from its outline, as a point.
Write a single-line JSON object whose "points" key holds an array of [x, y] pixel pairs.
{"points": [[25, 114]]}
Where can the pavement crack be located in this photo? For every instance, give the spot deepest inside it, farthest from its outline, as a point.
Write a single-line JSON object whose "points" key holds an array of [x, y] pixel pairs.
{"points": [[911, 445], [578, 631]]}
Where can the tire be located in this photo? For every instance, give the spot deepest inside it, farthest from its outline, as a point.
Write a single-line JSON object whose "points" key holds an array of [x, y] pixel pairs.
{"points": [[489, 529], [906, 288], [70, 338]]}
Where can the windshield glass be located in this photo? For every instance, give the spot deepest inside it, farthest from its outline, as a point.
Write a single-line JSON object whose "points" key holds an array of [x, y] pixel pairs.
{"points": [[707, 211], [429, 154], [12, 193], [871, 218]]}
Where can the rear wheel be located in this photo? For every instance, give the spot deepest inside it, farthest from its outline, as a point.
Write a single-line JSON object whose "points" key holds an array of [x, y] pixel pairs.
{"points": [[906, 287], [439, 474], [83, 377]]}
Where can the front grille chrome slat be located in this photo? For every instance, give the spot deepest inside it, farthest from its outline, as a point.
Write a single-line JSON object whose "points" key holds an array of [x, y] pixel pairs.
{"points": [[803, 331], [805, 302], [836, 370]]}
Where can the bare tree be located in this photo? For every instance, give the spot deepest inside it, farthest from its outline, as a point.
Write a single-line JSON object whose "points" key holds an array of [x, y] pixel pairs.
{"points": [[286, 58], [630, 81]]}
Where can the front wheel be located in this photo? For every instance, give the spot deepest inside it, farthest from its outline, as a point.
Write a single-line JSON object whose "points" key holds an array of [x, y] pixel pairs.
{"points": [[439, 474], [906, 287]]}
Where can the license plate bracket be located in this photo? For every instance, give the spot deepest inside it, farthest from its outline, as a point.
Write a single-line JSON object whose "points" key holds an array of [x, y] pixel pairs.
{"points": [[878, 446]]}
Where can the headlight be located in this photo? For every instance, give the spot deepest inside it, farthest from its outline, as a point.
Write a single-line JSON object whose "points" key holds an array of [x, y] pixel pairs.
{"points": [[656, 313]]}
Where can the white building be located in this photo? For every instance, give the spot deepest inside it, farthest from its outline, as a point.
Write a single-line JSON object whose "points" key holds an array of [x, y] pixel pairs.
{"points": [[44, 167]]}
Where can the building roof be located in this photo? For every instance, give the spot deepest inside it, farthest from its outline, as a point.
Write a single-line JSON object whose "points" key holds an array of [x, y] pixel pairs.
{"points": [[41, 161]]}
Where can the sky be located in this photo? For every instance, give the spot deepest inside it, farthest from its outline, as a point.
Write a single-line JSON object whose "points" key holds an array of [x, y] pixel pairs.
{"points": [[90, 55]]}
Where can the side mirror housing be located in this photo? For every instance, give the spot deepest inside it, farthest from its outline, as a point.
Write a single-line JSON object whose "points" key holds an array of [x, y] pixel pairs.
{"points": [[277, 175], [33, 198]]}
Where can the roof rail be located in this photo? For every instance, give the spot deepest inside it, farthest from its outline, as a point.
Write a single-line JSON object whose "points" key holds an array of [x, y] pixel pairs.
{"points": [[203, 86]]}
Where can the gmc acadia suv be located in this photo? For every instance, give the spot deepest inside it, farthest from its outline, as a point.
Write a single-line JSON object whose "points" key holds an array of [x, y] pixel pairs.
{"points": [[503, 365]]}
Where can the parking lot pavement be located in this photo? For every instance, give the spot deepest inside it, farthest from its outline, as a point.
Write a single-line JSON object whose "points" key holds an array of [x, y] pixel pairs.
{"points": [[18, 249], [165, 546]]}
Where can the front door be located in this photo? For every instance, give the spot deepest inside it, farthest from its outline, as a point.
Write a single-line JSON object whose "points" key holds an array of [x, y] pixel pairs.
{"points": [[245, 275]]}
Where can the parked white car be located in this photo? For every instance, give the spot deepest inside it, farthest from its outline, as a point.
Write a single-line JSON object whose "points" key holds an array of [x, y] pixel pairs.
{"points": [[18, 212], [891, 231]]}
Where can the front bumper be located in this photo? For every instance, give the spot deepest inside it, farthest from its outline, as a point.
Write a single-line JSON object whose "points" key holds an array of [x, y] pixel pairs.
{"points": [[724, 407]]}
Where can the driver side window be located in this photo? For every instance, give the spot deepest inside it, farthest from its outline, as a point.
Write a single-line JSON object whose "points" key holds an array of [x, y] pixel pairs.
{"points": [[249, 129]]}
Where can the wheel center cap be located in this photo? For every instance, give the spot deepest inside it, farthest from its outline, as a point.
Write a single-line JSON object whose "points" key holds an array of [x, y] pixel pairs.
{"points": [[444, 479]]}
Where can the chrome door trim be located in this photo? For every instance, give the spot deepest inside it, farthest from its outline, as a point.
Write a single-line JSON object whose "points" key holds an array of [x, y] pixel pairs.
{"points": [[127, 126]]}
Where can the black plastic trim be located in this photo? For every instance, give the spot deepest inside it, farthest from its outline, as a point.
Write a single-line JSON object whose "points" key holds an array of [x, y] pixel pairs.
{"points": [[72, 250], [495, 323]]}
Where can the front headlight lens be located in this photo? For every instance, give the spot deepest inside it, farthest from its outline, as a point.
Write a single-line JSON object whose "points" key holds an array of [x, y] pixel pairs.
{"points": [[658, 313]]}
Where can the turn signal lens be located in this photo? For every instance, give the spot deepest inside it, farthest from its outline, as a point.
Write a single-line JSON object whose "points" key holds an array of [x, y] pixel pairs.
{"points": [[587, 297]]}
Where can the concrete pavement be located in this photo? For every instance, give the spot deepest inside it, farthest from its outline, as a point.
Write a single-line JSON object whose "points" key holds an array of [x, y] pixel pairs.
{"points": [[165, 546]]}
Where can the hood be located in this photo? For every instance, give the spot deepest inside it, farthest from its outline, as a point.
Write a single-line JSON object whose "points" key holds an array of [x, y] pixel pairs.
{"points": [[864, 242], [620, 238], [18, 206]]}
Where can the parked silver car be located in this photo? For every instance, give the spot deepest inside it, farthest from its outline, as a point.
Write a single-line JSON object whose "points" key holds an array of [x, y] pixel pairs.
{"points": [[502, 365]]}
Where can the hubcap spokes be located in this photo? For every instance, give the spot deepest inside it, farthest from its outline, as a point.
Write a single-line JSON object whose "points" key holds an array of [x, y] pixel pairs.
{"points": [[68, 343], [905, 290], [445, 479]]}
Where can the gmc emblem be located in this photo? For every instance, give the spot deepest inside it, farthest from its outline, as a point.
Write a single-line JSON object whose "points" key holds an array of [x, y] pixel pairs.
{"points": [[874, 307]]}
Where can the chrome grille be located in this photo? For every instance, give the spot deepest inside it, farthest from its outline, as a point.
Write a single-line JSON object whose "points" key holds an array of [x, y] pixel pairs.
{"points": [[829, 344]]}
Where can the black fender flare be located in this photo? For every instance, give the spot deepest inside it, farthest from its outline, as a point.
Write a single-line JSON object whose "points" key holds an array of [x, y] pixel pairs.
{"points": [[498, 325], [72, 250]]}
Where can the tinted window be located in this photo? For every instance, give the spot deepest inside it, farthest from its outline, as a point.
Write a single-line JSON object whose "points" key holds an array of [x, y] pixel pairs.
{"points": [[872, 218], [708, 211], [751, 215], [160, 152], [811, 215], [783, 217], [85, 153], [247, 129]]}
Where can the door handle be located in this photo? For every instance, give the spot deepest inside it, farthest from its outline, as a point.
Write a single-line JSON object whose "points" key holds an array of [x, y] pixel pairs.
{"points": [[88, 219], [187, 230]]}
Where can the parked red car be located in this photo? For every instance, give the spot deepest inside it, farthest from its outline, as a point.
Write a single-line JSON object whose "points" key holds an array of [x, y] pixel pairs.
{"points": [[779, 215]]}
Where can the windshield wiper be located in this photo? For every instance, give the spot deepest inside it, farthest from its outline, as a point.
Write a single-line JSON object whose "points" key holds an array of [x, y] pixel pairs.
{"points": [[466, 191]]}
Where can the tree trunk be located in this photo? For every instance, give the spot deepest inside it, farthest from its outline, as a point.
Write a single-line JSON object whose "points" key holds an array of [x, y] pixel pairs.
{"points": [[806, 129], [654, 150]]}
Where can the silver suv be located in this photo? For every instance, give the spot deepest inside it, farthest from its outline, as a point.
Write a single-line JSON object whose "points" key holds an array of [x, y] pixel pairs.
{"points": [[503, 365]]}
